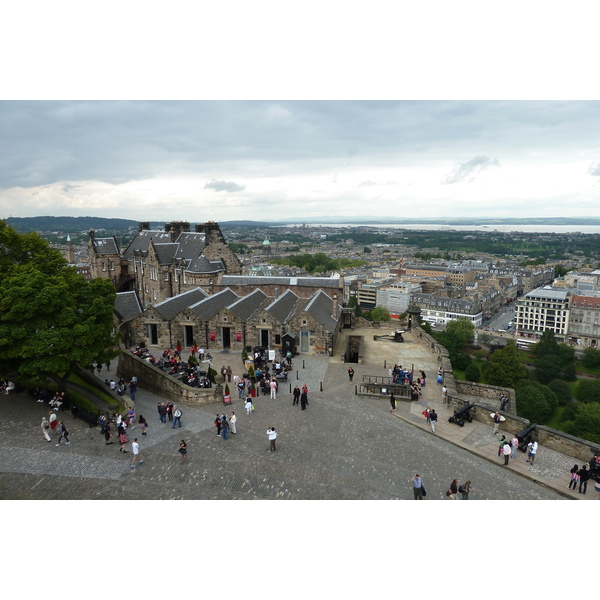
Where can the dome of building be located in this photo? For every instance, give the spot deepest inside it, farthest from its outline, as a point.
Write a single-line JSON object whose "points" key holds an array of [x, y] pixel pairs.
{"points": [[266, 243]]}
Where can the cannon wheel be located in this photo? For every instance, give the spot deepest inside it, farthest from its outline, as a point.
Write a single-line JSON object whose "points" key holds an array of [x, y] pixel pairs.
{"points": [[461, 423], [451, 420], [470, 419]]}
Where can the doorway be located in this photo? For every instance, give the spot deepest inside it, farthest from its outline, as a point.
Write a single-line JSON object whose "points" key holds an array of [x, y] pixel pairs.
{"points": [[264, 338], [304, 342], [152, 334], [188, 336], [226, 338]]}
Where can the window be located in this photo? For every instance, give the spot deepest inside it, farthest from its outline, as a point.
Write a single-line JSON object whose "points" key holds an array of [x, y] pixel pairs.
{"points": [[166, 275], [112, 265], [103, 266]]}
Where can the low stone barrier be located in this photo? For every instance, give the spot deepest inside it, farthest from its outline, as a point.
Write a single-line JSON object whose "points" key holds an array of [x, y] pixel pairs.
{"points": [[157, 381]]}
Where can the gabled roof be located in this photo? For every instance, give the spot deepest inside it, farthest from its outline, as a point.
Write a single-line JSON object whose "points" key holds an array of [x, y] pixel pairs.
{"points": [[209, 307], [171, 307], [201, 264], [141, 242], [165, 253], [105, 246], [127, 306], [246, 306], [320, 308], [283, 306]]}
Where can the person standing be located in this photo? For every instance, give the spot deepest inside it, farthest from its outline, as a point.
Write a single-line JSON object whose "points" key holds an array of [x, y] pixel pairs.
{"points": [[506, 450], [63, 433], [427, 414], [433, 419], [465, 488], [107, 434], [45, 428], [423, 376], [296, 396], [533, 446], [273, 386], [440, 375], [143, 424], [162, 412], [392, 402], [224, 426], [52, 420], [131, 415], [444, 394], [248, 405], [232, 422], [303, 399], [514, 444], [135, 448], [574, 477], [183, 450], [272, 437], [132, 389], [350, 374], [417, 486], [229, 373], [169, 409], [241, 386], [497, 420], [177, 414], [584, 476]]}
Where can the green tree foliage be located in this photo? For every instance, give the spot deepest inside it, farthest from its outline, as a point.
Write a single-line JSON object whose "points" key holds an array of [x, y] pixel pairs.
{"points": [[472, 372], [462, 361], [505, 367], [456, 336], [562, 391], [591, 357], [51, 318], [319, 262], [535, 401], [588, 390], [547, 368], [585, 423], [377, 315], [559, 271], [547, 345]]}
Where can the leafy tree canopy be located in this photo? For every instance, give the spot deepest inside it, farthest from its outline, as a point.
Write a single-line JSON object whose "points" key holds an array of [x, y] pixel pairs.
{"points": [[535, 401], [378, 314], [591, 357], [505, 367], [588, 390], [585, 423], [456, 336]]}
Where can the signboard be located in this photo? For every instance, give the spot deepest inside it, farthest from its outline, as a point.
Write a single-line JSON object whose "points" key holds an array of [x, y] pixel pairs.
{"points": [[213, 336], [271, 355], [238, 336]]}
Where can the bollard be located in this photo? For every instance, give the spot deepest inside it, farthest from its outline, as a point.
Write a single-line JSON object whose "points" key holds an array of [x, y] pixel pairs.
{"points": [[296, 375], [303, 363], [385, 364], [290, 388], [355, 390], [321, 386]]}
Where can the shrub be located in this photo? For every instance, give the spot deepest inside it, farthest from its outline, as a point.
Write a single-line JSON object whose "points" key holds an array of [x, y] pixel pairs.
{"points": [[535, 401], [562, 391], [588, 390], [461, 362]]}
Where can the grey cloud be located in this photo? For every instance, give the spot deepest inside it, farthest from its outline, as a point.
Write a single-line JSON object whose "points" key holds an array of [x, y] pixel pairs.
{"points": [[224, 186], [467, 171], [367, 183]]}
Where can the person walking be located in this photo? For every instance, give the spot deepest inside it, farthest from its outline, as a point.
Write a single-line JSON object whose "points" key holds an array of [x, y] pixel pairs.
{"points": [[218, 424], [433, 419], [122, 438], [45, 429], [224, 427], [241, 386], [350, 374], [533, 446], [497, 421], [574, 477], [107, 434], [183, 450], [52, 420], [584, 476], [514, 444], [506, 450], [248, 405], [427, 414], [296, 396], [63, 433], [229, 373], [273, 386], [131, 416], [177, 417], [272, 437], [143, 424], [232, 422], [465, 489], [135, 448], [303, 400], [453, 490], [392, 402], [418, 487]]}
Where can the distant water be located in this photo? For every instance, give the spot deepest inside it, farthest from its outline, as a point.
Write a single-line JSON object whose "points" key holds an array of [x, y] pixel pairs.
{"points": [[490, 228]]}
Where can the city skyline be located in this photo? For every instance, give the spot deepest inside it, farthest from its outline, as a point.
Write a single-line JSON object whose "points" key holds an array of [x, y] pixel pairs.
{"points": [[278, 160]]}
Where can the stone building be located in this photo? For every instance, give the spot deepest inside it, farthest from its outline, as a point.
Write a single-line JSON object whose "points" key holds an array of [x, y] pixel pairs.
{"points": [[162, 264], [541, 309], [584, 319]]}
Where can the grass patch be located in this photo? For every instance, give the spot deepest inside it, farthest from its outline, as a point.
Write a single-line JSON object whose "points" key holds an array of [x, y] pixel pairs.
{"points": [[554, 420], [97, 392]]}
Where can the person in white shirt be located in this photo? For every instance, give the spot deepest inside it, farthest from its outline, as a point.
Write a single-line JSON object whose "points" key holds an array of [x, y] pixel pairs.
{"points": [[533, 446], [272, 437], [514, 442], [232, 422], [273, 386], [135, 448], [506, 450]]}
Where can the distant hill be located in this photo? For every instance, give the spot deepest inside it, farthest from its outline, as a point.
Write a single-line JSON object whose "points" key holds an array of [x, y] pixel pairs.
{"points": [[69, 224]]}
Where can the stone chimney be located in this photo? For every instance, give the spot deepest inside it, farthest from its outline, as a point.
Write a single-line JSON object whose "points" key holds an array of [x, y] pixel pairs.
{"points": [[335, 306], [144, 226]]}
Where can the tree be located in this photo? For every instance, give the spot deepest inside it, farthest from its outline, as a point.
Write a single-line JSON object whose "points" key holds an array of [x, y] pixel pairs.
{"points": [[591, 357], [562, 391], [588, 390], [456, 336], [462, 361], [547, 368], [535, 401], [51, 323], [505, 367], [585, 423], [547, 345], [559, 271], [472, 373], [378, 314]]}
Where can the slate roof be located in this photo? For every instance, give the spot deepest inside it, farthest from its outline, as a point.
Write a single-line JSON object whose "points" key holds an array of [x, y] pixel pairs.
{"points": [[165, 253], [323, 282], [283, 306], [105, 246], [141, 242], [127, 306], [320, 308], [171, 307], [246, 306], [209, 307], [201, 264]]}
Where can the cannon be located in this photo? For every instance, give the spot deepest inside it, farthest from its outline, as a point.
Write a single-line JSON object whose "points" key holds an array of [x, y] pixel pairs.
{"points": [[396, 336], [524, 437], [461, 415]]}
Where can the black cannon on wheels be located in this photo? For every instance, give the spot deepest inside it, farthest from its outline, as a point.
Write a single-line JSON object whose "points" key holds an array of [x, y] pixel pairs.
{"points": [[461, 415], [524, 437]]}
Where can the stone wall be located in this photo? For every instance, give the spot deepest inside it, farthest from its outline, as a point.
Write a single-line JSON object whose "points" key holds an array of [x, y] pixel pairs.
{"points": [[489, 392], [158, 382]]}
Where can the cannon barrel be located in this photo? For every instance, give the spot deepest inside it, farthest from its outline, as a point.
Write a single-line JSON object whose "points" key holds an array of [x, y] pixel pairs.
{"points": [[524, 437]]}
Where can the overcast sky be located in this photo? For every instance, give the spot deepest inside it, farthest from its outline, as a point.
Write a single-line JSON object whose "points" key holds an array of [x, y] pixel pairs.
{"points": [[225, 160]]}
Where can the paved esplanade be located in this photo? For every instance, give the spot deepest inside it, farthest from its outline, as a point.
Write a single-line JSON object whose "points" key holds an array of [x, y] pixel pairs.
{"points": [[342, 447]]}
